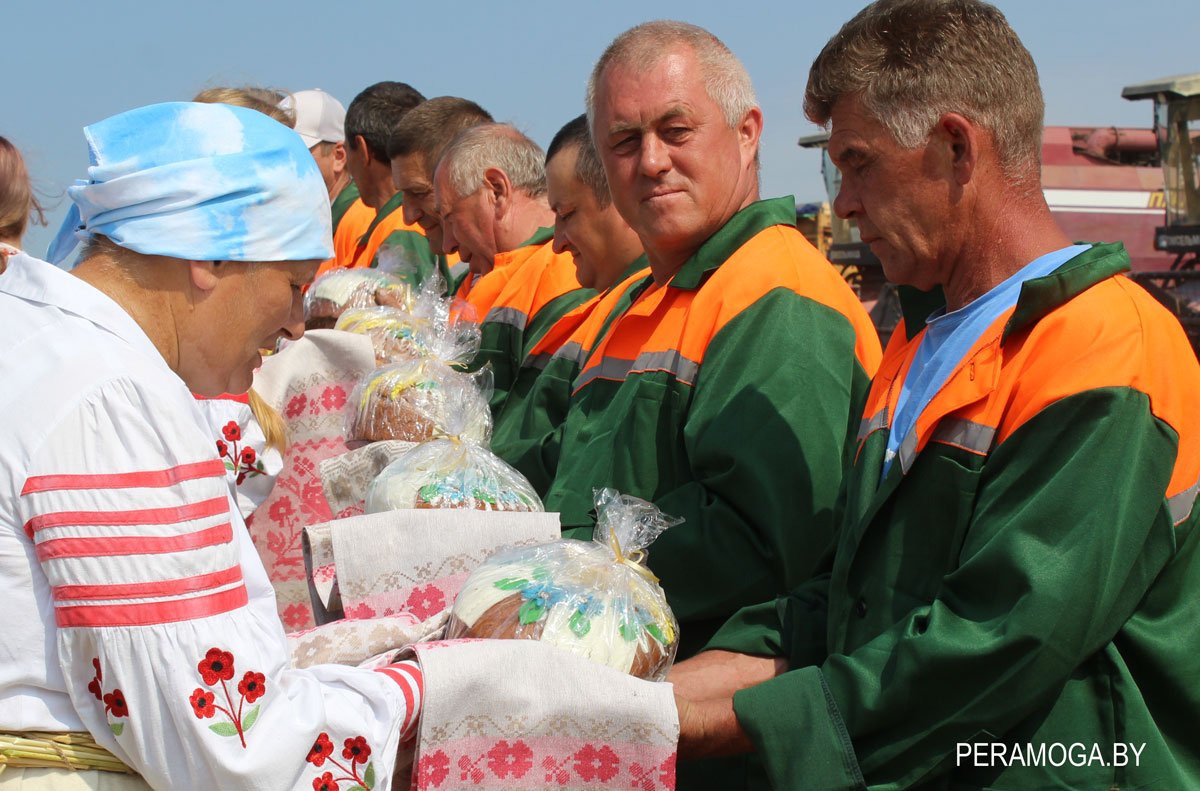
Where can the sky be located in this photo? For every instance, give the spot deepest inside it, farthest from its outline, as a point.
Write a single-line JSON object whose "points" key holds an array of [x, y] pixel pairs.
{"points": [[68, 64]]}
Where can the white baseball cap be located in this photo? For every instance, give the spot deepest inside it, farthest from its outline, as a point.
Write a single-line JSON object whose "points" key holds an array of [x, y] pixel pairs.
{"points": [[320, 118]]}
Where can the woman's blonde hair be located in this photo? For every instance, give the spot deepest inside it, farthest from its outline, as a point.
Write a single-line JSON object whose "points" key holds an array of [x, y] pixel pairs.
{"points": [[265, 100], [17, 201]]}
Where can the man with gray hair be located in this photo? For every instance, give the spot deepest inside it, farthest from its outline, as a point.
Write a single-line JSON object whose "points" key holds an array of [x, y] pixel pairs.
{"points": [[1011, 602], [490, 192], [729, 392]]}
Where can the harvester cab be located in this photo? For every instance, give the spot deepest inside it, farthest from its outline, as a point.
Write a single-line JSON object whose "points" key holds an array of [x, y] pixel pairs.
{"points": [[1177, 128]]}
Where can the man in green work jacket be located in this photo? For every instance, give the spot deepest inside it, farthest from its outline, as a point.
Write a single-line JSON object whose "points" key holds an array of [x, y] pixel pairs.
{"points": [[1012, 598]]}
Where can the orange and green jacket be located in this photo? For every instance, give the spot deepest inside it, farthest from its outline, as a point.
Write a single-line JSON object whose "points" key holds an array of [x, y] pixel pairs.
{"points": [[526, 432], [536, 286], [351, 218], [388, 229], [1027, 574], [730, 397]]}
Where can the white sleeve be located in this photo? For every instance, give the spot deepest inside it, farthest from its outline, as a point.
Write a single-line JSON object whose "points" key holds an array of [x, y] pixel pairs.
{"points": [[168, 660]]}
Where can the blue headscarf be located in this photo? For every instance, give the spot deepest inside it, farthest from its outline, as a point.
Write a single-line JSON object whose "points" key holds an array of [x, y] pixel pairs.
{"points": [[205, 182]]}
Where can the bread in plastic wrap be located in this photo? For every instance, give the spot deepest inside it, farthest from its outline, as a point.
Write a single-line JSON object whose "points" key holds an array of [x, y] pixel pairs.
{"points": [[339, 289], [449, 473], [595, 598], [395, 334], [428, 327], [416, 400]]}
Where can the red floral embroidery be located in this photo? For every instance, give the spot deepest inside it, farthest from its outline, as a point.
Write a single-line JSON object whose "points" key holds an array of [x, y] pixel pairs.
{"points": [[515, 760], [295, 615], [252, 686], [425, 601], [202, 703], [325, 783], [232, 431], [356, 750], [244, 463], [114, 703], [556, 772], [295, 407], [592, 764], [248, 456], [333, 398], [216, 666], [432, 770], [281, 510], [322, 748], [222, 448], [94, 684]]}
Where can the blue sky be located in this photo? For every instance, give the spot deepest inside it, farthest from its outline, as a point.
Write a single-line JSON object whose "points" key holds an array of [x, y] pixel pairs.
{"points": [[69, 64]]}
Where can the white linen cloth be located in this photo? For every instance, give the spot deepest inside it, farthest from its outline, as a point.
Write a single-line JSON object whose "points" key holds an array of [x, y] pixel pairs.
{"points": [[135, 605]]}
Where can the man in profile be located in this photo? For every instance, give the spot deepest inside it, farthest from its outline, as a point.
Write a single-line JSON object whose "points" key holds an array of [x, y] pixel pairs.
{"points": [[370, 119], [415, 145], [1017, 570], [490, 192]]}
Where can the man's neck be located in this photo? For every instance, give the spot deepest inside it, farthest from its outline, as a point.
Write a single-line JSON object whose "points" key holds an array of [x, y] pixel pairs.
{"points": [[1000, 248], [340, 182], [523, 221], [665, 262]]}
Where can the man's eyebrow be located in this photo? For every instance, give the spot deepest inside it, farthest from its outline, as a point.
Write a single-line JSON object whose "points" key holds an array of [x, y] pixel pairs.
{"points": [[672, 112]]}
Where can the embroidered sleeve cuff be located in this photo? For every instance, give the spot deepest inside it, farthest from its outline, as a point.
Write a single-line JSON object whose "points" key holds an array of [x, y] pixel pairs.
{"points": [[408, 677]]}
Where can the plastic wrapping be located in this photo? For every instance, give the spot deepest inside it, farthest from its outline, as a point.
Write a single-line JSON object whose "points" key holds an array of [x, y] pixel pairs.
{"points": [[335, 291], [416, 400], [593, 598], [447, 473], [425, 326]]}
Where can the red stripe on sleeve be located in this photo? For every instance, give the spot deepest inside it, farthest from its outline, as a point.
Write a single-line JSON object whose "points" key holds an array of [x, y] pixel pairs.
{"points": [[213, 468], [107, 546], [218, 506], [410, 679], [148, 590], [151, 613]]}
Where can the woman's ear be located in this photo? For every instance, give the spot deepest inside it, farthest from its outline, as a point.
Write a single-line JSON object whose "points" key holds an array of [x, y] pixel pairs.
{"points": [[204, 274]]}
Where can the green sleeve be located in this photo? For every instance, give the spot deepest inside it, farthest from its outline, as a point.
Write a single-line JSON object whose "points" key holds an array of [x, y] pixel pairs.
{"points": [[1069, 530], [407, 255], [529, 429], [792, 626], [777, 399]]}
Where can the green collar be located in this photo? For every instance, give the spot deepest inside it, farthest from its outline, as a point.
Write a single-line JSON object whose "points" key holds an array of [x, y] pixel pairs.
{"points": [[740, 228], [344, 200], [540, 236], [1038, 296], [392, 204]]}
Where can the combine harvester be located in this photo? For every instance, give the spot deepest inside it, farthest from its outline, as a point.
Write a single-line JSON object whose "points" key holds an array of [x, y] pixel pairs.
{"points": [[1103, 184]]}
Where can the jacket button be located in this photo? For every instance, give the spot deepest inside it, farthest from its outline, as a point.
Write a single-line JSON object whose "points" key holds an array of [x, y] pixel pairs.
{"points": [[860, 607]]}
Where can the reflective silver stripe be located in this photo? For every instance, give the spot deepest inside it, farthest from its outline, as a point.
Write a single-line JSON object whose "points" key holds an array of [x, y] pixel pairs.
{"points": [[873, 423], [1181, 504], [510, 316], [538, 361], [965, 434], [572, 351], [908, 450], [683, 369]]}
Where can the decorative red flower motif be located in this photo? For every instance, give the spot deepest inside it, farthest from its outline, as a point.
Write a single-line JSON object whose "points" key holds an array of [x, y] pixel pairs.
{"points": [[503, 759], [216, 665], [667, 771], [115, 702], [281, 510], [357, 750], [313, 494], [252, 686], [425, 601], [295, 407], [249, 456], [592, 764], [222, 448], [322, 748], [202, 703], [296, 615], [232, 431], [94, 684], [325, 783], [333, 398], [432, 770]]}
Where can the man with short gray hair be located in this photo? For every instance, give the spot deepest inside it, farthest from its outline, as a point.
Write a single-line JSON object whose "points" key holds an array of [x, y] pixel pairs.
{"points": [[490, 192], [1012, 597], [729, 392]]}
